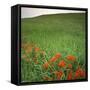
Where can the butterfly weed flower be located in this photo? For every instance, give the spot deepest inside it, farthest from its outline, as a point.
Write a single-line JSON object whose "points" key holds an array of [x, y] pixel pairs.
{"points": [[69, 76], [69, 66], [58, 55], [46, 65], [58, 74], [55, 58], [71, 58], [62, 63], [80, 73]]}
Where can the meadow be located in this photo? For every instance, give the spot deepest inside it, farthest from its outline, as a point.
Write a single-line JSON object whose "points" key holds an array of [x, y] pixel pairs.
{"points": [[53, 47]]}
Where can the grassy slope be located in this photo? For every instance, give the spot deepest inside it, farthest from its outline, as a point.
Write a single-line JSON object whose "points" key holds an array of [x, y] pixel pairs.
{"points": [[64, 33]]}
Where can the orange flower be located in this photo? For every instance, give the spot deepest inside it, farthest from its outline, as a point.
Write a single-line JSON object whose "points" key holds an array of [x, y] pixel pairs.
{"points": [[62, 63], [79, 73], [69, 77], [82, 74], [71, 58], [53, 59], [58, 55], [37, 49], [46, 65], [70, 66], [58, 74]]}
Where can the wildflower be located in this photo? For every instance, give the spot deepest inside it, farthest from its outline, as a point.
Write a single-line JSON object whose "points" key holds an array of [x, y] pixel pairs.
{"points": [[62, 63], [82, 73], [53, 59], [69, 77], [70, 66], [58, 55], [46, 65], [58, 74], [71, 58], [79, 73]]}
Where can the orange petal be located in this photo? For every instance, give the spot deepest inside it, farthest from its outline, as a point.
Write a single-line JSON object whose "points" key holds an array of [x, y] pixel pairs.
{"points": [[46, 65], [53, 59], [62, 63], [58, 55], [58, 74], [69, 77], [71, 58], [70, 66]]}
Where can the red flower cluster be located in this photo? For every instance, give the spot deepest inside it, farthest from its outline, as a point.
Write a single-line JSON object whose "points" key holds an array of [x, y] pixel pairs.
{"points": [[57, 64], [71, 58], [46, 65], [69, 77], [58, 74], [56, 57], [79, 73], [62, 63]]}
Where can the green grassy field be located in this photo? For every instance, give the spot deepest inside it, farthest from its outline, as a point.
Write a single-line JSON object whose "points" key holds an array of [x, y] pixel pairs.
{"points": [[59, 36]]}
